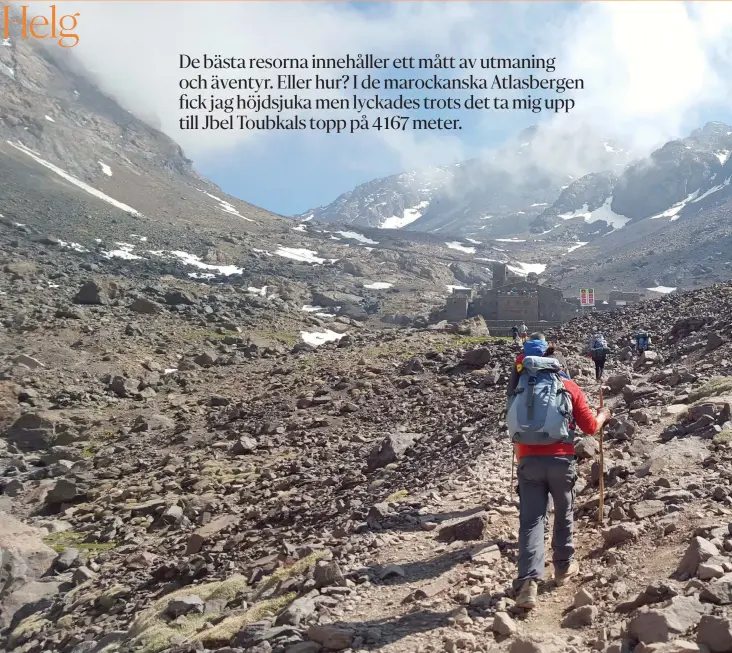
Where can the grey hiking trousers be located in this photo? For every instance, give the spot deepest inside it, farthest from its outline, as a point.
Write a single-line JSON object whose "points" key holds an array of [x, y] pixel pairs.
{"points": [[539, 477]]}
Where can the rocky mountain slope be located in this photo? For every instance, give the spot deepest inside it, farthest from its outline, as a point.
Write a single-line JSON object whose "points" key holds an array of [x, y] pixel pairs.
{"points": [[659, 222], [54, 119], [182, 471], [83, 175], [664, 222], [86, 180], [680, 179], [494, 196]]}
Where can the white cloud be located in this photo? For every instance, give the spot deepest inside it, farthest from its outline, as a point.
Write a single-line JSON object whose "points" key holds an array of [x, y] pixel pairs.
{"points": [[649, 67]]}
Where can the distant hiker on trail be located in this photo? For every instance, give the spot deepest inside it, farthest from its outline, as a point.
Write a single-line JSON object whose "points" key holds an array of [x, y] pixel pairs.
{"points": [[597, 340], [642, 341], [544, 410], [598, 352], [524, 331], [515, 333]]}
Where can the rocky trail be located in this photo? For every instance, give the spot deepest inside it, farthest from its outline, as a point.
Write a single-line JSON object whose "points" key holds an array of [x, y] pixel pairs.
{"points": [[179, 471]]}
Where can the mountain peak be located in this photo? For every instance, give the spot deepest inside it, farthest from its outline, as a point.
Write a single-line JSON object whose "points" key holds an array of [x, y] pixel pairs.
{"points": [[713, 128]]}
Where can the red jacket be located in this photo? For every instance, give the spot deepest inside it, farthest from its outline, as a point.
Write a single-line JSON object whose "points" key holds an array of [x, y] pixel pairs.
{"points": [[582, 416]]}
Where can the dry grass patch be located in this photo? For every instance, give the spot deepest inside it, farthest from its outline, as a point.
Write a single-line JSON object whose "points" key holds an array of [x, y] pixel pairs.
{"points": [[716, 386], [26, 628], [400, 494], [724, 437], [221, 633], [300, 567], [63, 540], [152, 631]]}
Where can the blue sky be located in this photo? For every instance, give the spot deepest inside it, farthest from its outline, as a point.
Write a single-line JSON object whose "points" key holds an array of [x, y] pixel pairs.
{"points": [[652, 70]]}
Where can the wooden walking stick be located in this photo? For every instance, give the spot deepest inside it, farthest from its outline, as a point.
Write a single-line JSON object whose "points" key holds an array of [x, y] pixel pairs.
{"points": [[513, 463], [600, 512]]}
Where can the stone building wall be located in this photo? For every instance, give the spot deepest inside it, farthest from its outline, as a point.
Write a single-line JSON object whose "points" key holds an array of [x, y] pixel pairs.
{"points": [[522, 308], [456, 308], [515, 301]]}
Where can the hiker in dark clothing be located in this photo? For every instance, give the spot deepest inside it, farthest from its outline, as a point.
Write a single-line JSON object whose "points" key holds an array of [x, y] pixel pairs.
{"points": [[600, 359], [598, 352], [515, 333]]}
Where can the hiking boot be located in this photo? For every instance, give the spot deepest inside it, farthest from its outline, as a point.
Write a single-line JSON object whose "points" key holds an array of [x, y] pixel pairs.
{"points": [[526, 598], [560, 577]]}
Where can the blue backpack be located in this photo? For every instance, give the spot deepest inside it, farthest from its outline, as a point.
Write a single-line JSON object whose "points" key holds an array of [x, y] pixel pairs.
{"points": [[642, 341], [540, 409]]}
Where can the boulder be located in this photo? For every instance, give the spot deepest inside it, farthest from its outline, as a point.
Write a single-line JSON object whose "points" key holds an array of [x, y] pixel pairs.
{"points": [[331, 637], [700, 550], [715, 633], [719, 591], [663, 624], [33, 431], [619, 534], [647, 359], [580, 617], [390, 450], [473, 528], [617, 382], [91, 293], [504, 625], [145, 306], [474, 326], [24, 558], [644, 509]]}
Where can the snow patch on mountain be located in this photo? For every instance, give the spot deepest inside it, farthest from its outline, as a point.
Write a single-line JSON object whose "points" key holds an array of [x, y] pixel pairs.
{"points": [[75, 246], [300, 254], [192, 260], [604, 212], [226, 207], [461, 248], [713, 190], [356, 236], [408, 216], [124, 252], [674, 211], [723, 156], [317, 338], [527, 268], [74, 180]]}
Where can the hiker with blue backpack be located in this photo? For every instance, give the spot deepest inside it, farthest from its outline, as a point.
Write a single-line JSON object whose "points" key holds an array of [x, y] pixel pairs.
{"points": [[545, 409], [642, 342]]}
